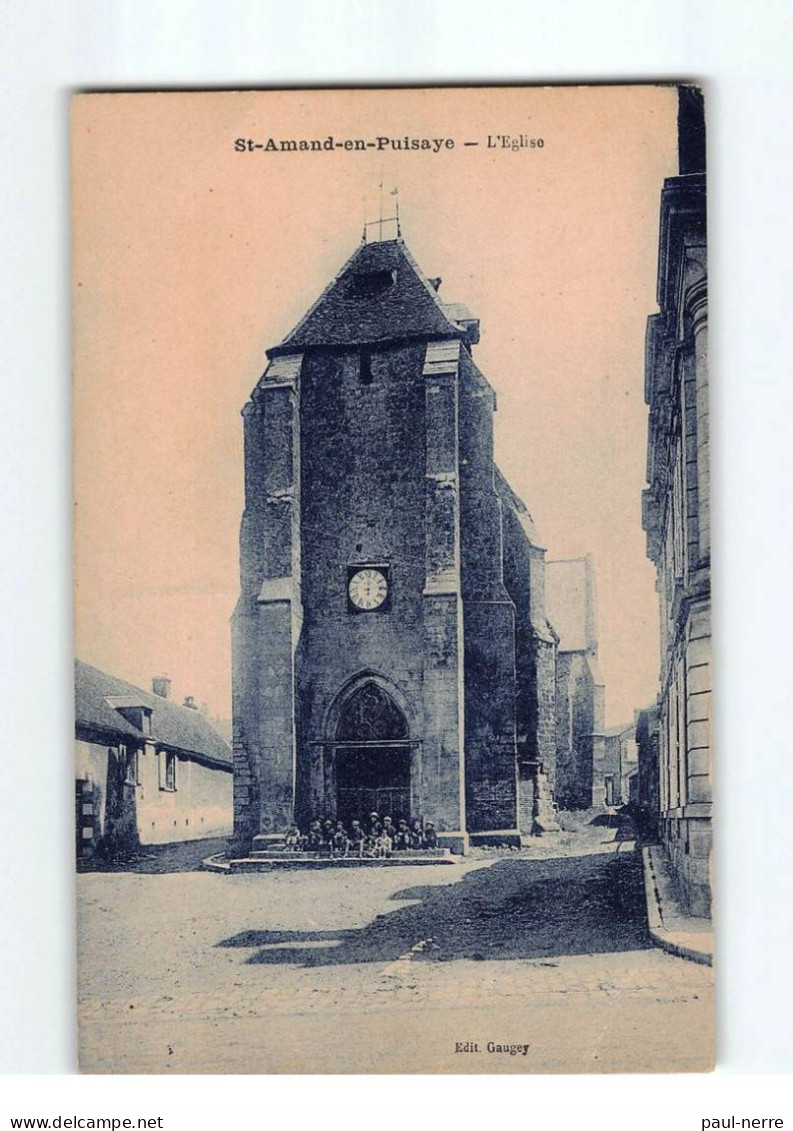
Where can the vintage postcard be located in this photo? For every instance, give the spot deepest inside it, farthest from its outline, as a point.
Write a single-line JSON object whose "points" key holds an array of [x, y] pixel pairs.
{"points": [[392, 581]]}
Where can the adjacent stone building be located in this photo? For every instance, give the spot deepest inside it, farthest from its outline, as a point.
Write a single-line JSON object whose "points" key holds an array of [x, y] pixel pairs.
{"points": [[147, 770], [620, 763], [676, 510], [581, 766], [390, 646], [648, 789]]}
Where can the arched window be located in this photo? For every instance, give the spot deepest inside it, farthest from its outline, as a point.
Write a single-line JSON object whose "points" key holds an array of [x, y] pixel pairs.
{"points": [[371, 715]]}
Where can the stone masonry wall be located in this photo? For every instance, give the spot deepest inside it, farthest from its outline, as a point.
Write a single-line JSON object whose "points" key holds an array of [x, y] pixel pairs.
{"points": [[267, 620], [489, 620], [575, 705], [382, 456], [545, 660], [363, 502]]}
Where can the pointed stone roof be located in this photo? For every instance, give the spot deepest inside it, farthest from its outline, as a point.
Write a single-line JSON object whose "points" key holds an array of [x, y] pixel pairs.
{"points": [[379, 295]]}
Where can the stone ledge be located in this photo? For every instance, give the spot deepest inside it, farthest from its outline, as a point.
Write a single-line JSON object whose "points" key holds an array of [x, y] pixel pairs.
{"points": [[277, 590], [671, 929], [300, 862], [495, 837]]}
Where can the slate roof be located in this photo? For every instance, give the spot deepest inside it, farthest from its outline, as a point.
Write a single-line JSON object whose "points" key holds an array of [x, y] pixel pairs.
{"points": [[342, 315], [570, 602], [178, 728], [615, 732], [512, 499]]}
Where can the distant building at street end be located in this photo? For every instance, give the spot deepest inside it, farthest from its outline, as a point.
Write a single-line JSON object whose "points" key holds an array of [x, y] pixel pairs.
{"points": [[620, 763], [676, 511], [581, 770], [390, 647], [147, 770], [648, 793]]}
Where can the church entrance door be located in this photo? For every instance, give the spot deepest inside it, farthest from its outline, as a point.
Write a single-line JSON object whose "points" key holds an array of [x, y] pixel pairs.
{"points": [[372, 780], [372, 756]]}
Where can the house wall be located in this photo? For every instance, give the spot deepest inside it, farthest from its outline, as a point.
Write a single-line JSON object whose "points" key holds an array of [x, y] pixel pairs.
{"points": [[629, 756], [609, 766], [676, 509], [106, 817], [200, 806], [648, 795], [125, 816]]}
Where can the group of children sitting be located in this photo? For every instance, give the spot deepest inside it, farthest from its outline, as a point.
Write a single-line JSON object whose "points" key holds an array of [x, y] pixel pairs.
{"points": [[378, 839]]}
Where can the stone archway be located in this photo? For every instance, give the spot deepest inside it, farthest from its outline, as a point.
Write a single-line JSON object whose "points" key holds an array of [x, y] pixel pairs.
{"points": [[372, 754]]}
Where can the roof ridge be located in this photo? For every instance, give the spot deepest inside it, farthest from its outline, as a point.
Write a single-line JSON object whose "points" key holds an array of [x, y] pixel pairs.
{"points": [[172, 717]]}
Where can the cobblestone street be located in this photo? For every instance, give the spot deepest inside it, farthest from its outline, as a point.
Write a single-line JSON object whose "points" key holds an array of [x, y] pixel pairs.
{"points": [[389, 969]]}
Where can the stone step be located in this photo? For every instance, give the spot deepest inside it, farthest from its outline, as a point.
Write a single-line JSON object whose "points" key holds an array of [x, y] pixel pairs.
{"points": [[304, 861], [274, 852]]}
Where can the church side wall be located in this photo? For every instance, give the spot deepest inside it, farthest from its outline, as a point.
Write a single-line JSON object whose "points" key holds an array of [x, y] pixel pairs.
{"points": [[545, 659], [517, 569], [489, 622], [267, 621], [575, 712], [529, 668]]}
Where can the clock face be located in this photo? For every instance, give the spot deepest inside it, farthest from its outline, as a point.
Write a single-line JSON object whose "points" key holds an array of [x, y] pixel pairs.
{"points": [[368, 589]]}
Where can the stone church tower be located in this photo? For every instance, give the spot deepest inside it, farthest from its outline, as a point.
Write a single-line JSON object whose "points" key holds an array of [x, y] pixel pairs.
{"points": [[390, 645]]}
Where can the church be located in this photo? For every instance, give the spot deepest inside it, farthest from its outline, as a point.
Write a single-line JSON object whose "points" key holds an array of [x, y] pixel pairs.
{"points": [[391, 650]]}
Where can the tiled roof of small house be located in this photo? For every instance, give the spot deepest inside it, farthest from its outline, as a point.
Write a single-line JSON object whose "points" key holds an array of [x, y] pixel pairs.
{"points": [[379, 295], [178, 728]]}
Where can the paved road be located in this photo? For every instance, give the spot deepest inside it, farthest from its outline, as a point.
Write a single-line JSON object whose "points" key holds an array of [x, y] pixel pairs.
{"points": [[389, 969]]}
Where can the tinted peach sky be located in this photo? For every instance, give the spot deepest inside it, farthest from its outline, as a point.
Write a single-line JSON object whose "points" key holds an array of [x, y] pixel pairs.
{"points": [[190, 259]]}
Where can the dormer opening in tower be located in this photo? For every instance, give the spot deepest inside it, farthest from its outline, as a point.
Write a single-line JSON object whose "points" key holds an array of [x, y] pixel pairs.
{"points": [[366, 284]]}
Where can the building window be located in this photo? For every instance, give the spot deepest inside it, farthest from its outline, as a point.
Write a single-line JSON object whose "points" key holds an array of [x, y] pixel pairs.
{"points": [[133, 768], [678, 513], [168, 779]]}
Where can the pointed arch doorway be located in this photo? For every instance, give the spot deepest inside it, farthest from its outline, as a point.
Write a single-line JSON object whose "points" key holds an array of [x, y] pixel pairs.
{"points": [[372, 756]]}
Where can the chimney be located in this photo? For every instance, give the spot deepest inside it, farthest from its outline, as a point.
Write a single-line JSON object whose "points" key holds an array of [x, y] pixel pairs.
{"points": [[161, 686], [189, 701]]}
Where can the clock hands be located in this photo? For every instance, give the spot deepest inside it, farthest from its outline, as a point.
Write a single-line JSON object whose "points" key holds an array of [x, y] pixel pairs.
{"points": [[368, 588]]}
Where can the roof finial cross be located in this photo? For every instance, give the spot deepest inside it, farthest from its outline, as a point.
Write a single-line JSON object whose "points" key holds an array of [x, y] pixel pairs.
{"points": [[382, 219]]}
